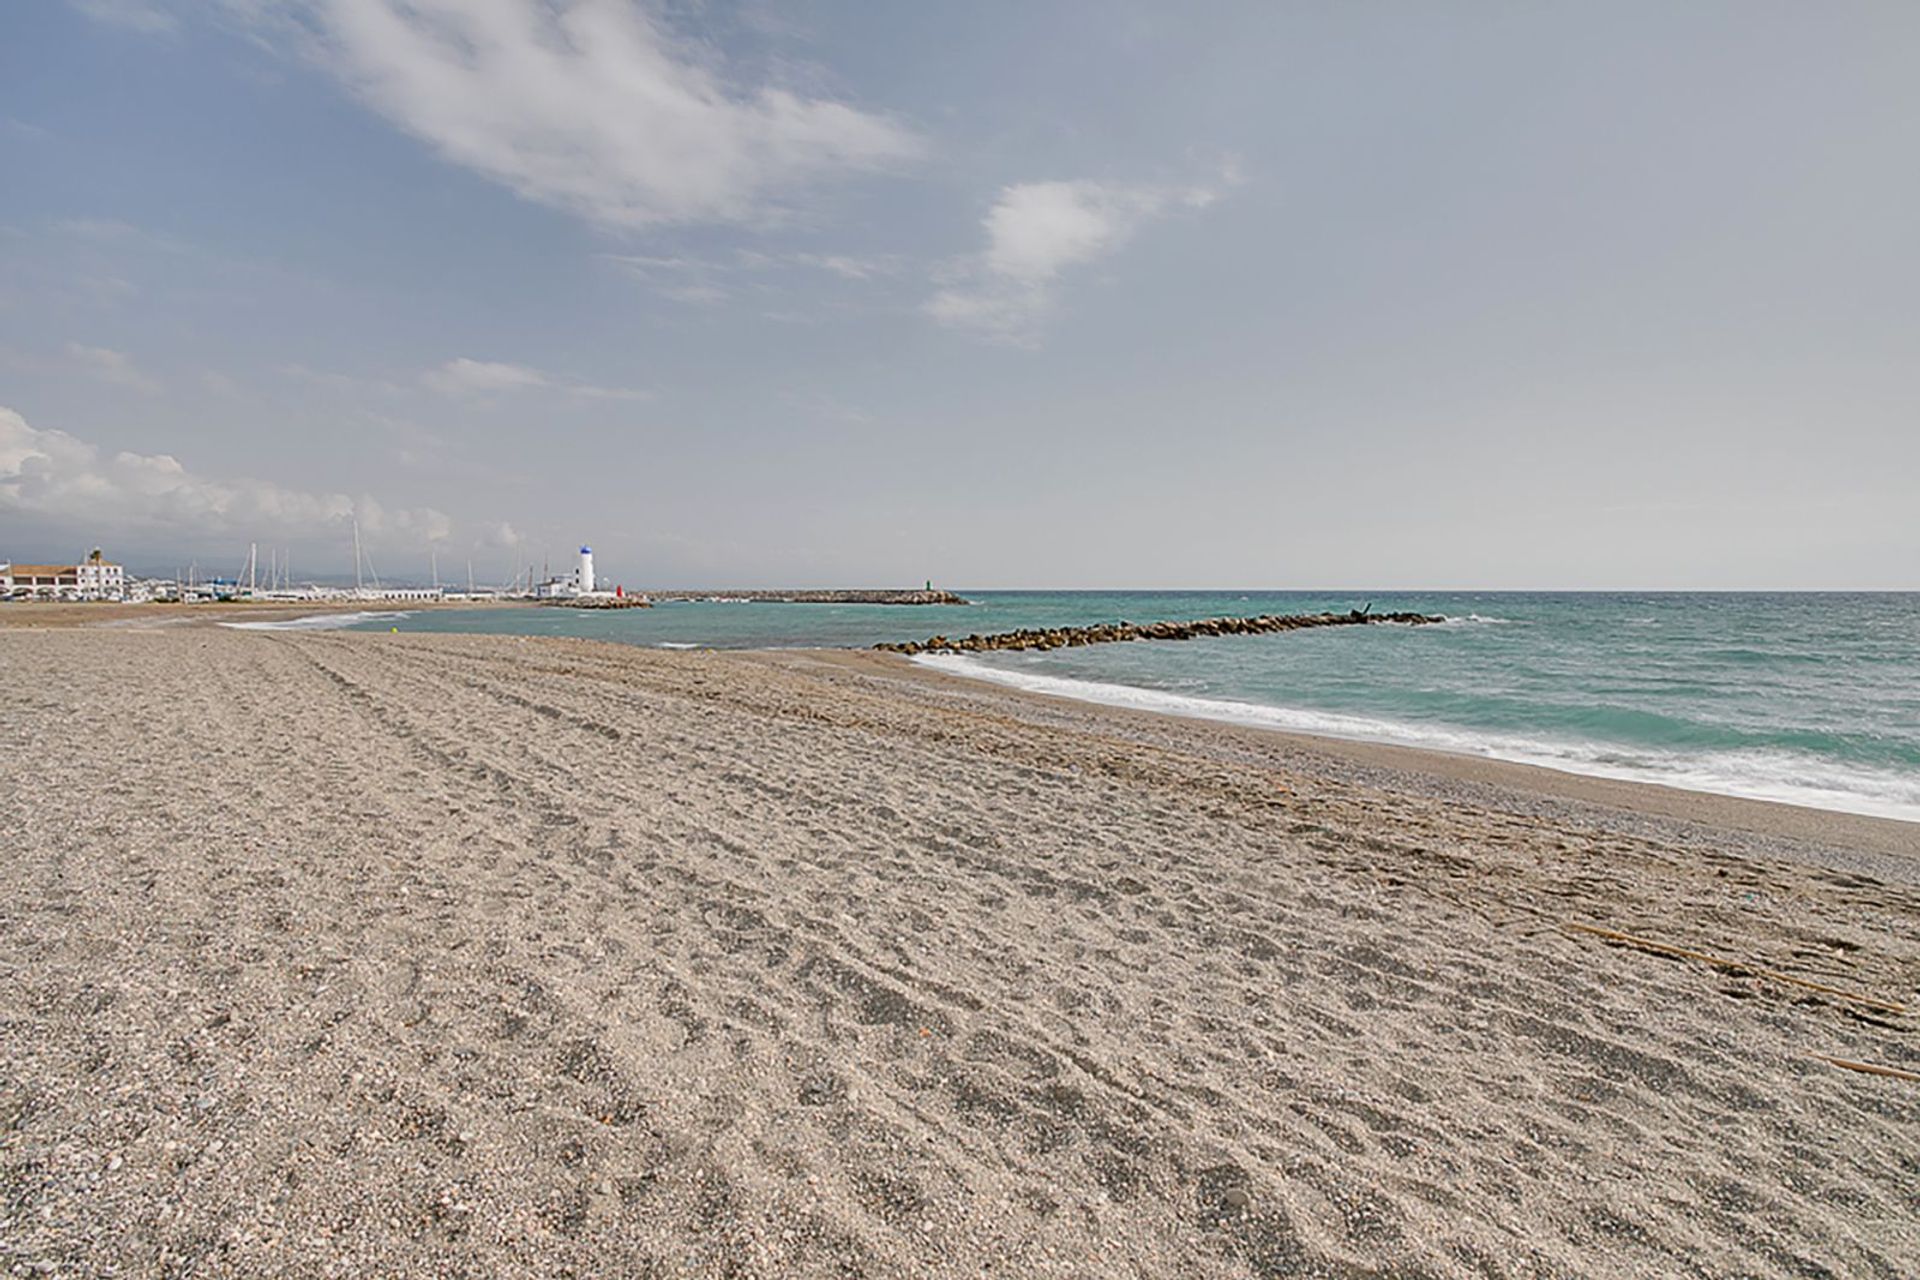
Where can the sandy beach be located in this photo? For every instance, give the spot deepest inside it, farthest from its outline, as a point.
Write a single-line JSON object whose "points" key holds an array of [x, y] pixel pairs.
{"points": [[51, 615], [409, 955]]}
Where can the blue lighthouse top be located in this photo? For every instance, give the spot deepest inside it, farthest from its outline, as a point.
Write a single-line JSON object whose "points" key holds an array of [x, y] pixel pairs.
{"points": [[586, 551]]}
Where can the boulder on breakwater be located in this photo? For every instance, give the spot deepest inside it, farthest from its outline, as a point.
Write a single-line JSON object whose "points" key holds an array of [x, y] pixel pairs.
{"points": [[1116, 632]]}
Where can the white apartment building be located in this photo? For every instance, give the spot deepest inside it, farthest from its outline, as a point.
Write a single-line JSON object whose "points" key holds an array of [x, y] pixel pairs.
{"points": [[99, 580]]}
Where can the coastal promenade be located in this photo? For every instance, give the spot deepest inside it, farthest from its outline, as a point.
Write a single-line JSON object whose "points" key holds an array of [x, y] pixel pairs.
{"points": [[377, 954]]}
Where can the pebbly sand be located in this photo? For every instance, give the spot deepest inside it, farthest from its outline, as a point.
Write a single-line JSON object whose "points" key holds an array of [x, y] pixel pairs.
{"points": [[398, 955]]}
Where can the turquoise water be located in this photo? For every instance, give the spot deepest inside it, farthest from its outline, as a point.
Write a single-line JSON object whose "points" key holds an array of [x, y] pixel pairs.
{"points": [[1809, 698]]}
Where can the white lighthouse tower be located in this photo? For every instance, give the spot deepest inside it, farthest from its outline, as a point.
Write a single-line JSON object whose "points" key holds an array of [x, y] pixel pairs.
{"points": [[586, 571]]}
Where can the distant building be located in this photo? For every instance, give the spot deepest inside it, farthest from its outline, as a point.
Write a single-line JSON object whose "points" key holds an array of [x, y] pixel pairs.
{"points": [[92, 579], [577, 583], [99, 580], [401, 593], [43, 580]]}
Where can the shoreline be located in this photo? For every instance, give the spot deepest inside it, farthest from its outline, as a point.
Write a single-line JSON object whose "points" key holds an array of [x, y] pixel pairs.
{"points": [[1646, 795], [1757, 814], [1833, 828]]}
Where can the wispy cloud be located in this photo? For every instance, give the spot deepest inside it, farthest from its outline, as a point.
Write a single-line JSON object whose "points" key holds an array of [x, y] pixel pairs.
{"points": [[64, 480], [464, 378], [116, 368], [705, 281], [113, 231], [591, 107], [500, 534], [848, 266], [1036, 232], [697, 281], [133, 15]]}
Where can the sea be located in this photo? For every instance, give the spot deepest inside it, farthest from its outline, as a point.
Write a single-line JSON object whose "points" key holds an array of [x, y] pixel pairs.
{"points": [[1808, 698]]}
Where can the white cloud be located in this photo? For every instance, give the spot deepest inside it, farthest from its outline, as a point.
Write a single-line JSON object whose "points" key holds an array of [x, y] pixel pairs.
{"points": [[1035, 232], [846, 265], [588, 391], [62, 479], [1037, 228], [134, 15], [110, 366], [463, 378], [590, 106], [695, 294]]}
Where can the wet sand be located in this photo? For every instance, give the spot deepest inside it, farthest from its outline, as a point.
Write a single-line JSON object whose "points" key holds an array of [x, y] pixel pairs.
{"points": [[443, 955]]}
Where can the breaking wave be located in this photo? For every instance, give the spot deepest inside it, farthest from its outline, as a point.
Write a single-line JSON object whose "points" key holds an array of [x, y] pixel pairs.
{"points": [[321, 621], [1763, 773]]}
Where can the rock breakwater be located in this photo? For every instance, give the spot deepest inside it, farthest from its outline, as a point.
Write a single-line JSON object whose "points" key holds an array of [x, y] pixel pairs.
{"points": [[857, 596], [600, 602], [1117, 632]]}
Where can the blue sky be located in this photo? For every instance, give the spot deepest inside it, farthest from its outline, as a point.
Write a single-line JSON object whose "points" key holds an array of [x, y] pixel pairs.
{"points": [[1098, 294]]}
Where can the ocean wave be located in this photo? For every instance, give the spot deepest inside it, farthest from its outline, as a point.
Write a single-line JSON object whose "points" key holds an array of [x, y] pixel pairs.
{"points": [[1784, 776], [320, 621], [675, 644]]}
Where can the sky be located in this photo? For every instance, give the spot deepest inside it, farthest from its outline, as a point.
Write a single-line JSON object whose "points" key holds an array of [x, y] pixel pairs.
{"points": [[1095, 293]]}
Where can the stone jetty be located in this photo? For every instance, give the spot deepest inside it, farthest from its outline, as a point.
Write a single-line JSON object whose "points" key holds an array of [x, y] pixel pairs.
{"points": [[1115, 632], [599, 602], [882, 596]]}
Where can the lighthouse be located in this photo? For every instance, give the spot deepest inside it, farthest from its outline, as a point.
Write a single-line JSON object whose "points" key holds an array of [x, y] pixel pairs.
{"points": [[586, 571]]}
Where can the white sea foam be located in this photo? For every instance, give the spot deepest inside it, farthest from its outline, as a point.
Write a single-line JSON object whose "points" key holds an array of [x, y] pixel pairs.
{"points": [[675, 644], [320, 621], [1787, 777], [1477, 620]]}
